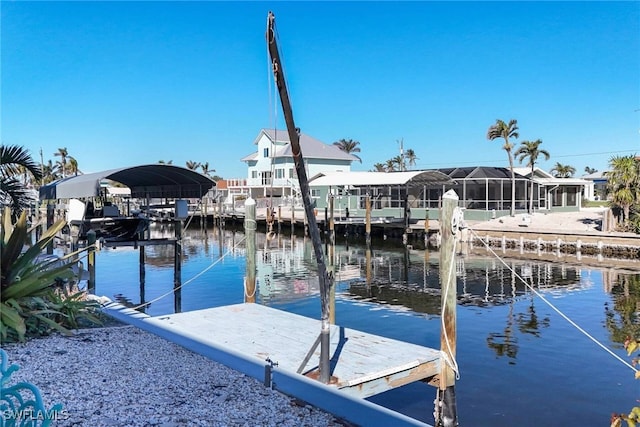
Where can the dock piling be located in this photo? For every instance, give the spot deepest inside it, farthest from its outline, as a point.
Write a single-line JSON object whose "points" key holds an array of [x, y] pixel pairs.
{"points": [[91, 259], [250, 226], [447, 416]]}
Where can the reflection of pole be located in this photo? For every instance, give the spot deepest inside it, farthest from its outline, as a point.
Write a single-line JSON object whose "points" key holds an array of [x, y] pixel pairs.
{"points": [[447, 411], [331, 269], [91, 261], [368, 257], [250, 233], [177, 269]]}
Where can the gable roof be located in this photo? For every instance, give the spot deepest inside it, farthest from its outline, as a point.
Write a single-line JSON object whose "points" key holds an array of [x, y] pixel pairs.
{"points": [[311, 148], [537, 173]]}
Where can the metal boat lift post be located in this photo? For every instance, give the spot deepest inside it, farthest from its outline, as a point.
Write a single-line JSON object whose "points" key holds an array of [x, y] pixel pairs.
{"points": [[325, 280]]}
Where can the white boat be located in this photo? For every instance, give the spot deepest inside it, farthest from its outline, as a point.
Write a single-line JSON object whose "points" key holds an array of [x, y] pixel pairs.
{"points": [[107, 222]]}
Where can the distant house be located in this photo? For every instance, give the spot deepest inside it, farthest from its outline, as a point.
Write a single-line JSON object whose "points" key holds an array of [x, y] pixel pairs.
{"points": [[596, 188], [556, 194], [271, 170]]}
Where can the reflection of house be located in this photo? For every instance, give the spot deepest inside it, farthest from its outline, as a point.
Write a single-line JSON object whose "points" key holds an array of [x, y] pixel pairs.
{"points": [[556, 194], [596, 187], [271, 170], [482, 191]]}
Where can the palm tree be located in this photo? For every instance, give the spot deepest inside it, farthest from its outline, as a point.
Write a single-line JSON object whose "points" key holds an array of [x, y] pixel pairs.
{"points": [[624, 182], [506, 130], [379, 167], [563, 171], [192, 165], [73, 166], [63, 153], [590, 170], [162, 162], [205, 169], [49, 172], [411, 157], [531, 150], [390, 165], [349, 146], [399, 161], [13, 161]]}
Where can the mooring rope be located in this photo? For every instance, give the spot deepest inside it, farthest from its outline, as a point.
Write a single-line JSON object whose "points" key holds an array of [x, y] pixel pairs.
{"points": [[554, 308], [209, 267]]}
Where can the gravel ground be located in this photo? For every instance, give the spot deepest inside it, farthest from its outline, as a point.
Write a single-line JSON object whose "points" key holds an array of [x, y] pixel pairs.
{"points": [[123, 376]]}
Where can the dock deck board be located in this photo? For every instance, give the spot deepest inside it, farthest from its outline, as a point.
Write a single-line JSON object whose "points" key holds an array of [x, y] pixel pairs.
{"points": [[362, 364]]}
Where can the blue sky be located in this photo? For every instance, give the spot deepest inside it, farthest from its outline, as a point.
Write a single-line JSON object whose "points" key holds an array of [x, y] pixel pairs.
{"points": [[123, 84]]}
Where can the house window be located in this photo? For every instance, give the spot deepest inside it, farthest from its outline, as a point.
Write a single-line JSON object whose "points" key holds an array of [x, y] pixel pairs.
{"points": [[254, 174], [315, 193], [266, 178], [265, 152], [279, 173], [291, 175]]}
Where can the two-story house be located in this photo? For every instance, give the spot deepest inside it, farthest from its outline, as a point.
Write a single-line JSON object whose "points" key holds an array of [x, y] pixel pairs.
{"points": [[271, 170]]}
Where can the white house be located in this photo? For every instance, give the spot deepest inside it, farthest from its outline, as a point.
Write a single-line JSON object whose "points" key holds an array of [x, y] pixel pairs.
{"points": [[271, 170], [556, 193]]}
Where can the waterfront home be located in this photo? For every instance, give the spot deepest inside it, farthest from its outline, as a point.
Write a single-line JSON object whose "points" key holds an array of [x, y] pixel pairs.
{"points": [[484, 192], [555, 194], [271, 170]]}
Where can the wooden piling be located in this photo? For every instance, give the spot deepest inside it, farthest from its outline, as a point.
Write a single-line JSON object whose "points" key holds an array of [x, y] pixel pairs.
{"points": [[367, 229], [279, 219], [446, 392], [332, 224], [293, 217], [91, 260], [250, 226], [142, 273], [177, 268], [50, 220]]}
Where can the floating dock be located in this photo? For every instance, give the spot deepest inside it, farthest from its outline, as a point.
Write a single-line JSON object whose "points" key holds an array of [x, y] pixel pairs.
{"points": [[280, 348]]}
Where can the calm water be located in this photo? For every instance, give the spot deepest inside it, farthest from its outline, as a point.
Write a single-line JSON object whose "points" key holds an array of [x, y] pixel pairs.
{"points": [[520, 362]]}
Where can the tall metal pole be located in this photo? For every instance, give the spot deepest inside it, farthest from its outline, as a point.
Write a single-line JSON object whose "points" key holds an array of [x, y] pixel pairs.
{"points": [[324, 279]]}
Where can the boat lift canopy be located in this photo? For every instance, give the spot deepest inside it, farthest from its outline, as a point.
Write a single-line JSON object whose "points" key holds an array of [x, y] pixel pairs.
{"points": [[157, 180]]}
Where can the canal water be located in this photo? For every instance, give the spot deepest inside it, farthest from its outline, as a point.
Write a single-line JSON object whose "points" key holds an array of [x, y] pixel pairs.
{"points": [[520, 362]]}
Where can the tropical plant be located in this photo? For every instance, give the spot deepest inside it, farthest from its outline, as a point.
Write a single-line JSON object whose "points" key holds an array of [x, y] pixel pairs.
{"points": [[63, 154], [390, 165], [15, 161], [590, 170], [73, 166], [411, 157], [624, 183], [205, 169], [49, 172], [563, 171], [26, 309], [192, 165], [632, 345], [162, 162], [505, 131], [531, 150], [349, 146], [379, 167]]}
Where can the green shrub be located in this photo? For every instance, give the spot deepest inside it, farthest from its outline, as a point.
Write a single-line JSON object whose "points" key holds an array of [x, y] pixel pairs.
{"points": [[28, 303]]}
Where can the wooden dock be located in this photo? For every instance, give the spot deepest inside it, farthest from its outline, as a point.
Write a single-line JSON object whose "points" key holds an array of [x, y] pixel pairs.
{"points": [[362, 364]]}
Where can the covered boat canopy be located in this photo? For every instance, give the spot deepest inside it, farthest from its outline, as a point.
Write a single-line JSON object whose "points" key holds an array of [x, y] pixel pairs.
{"points": [[158, 180], [373, 179]]}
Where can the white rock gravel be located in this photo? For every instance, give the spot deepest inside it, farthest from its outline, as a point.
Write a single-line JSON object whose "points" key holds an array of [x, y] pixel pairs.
{"points": [[123, 376]]}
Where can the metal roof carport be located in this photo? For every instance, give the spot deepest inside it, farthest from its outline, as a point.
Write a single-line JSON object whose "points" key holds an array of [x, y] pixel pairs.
{"points": [[145, 181]]}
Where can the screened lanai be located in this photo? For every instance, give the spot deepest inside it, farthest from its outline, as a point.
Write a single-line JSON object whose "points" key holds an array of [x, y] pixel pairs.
{"points": [[483, 191]]}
